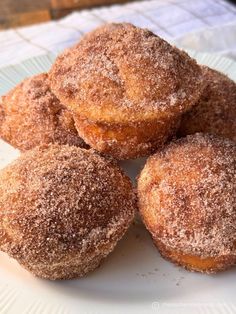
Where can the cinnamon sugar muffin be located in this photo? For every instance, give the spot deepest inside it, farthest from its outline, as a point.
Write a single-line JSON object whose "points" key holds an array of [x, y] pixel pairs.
{"points": [[215, 111], [126, 88], [30, 115], [62, 210], [187, 199]]}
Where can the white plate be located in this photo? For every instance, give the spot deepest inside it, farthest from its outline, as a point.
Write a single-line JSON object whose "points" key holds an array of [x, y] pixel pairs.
{"points": [[134, 278]]}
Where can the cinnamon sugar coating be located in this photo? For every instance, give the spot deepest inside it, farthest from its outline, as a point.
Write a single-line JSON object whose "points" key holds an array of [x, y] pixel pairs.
{"points": [[63, 209], [187, 199], [30, 115], [123, 75], [215, 111]]}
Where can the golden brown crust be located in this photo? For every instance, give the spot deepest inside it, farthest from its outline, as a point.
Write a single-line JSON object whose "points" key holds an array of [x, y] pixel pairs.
{"points": [[31, 115], [63, 209], [127, 141], [215, 111], [123, 75], [187, 197], [207, 265]]}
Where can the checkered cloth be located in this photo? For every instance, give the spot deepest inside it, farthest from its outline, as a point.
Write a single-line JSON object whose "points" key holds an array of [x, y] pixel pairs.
{"points": [[203, 25]]}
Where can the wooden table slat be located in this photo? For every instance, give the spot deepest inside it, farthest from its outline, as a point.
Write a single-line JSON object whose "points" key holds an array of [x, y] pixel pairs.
{"points": [[15, 13], [23, 19]]}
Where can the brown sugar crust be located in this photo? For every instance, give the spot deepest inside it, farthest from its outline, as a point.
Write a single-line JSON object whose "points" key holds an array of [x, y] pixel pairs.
{"points": [[187, 199], [30, 115], [215, 111], [123, 75], [63, 209]]}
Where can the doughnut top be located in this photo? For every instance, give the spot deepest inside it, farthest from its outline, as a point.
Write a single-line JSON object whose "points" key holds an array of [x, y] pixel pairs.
{"points": [[188, 196], [215, 112], [121, 73], [56, 200], [30, 115]]}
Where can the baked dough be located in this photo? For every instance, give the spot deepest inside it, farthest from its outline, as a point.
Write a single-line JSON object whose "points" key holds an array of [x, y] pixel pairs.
{"points": [[187, 200], [126, 88], [63, 209], [215, 111], [31, 115]]}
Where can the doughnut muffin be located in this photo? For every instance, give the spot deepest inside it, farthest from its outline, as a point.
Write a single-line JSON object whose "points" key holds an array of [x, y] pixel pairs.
{"points": [[31, 115], [126, 88], [215, 111], [187, 200], [62, 210]]}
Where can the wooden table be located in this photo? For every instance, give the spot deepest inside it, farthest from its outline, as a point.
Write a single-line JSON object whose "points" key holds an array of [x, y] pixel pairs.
{"points": [[14, 13]]}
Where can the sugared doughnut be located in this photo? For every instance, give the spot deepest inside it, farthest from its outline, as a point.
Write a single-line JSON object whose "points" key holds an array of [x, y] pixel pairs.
{"points": [[215, 112], [126, 88], [62, 210], [187, 199], [30, 115]]}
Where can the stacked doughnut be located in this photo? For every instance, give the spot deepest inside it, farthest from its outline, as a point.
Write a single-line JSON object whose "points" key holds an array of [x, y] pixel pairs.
{"points": [[63, 210], [187, 199], [127, 89], [125, 93], [31, 115]]}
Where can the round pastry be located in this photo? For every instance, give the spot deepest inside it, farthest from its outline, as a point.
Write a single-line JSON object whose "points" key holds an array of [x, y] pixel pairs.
{"points": [[62, 210], [126, 88], [215, 111], [30, 115], [187, 199]]}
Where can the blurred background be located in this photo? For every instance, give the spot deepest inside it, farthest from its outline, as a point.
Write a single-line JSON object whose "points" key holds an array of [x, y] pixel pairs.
{"points": [[14, 13], [30, 28]]}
